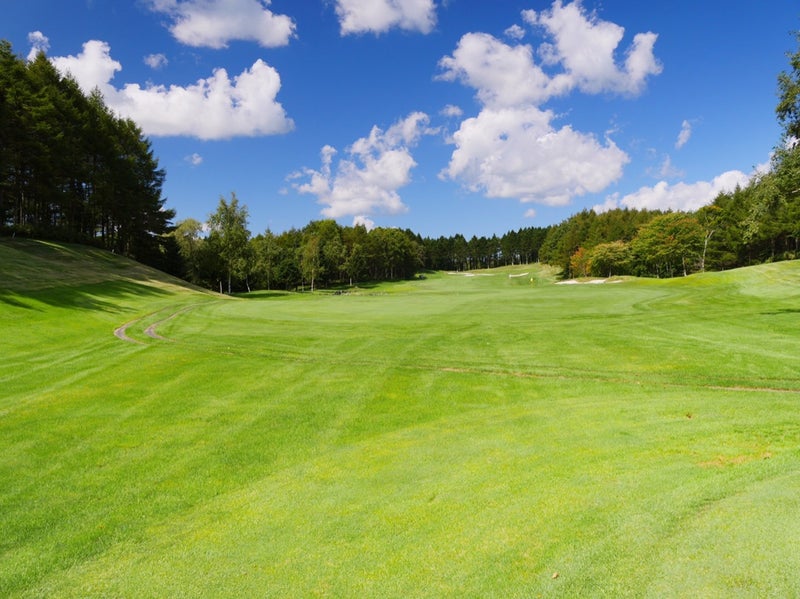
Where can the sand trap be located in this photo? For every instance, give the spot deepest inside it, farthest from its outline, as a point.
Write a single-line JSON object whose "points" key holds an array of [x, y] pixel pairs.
{"points": [[590, 282]]}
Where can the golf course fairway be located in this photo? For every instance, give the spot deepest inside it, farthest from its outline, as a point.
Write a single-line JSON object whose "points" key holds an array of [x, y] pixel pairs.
{"points": [[485, 434]]}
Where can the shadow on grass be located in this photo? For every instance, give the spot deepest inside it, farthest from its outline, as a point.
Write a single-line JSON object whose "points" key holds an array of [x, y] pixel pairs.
{"points": [[780, 311], [106, 296], [43, 262], [14, 301], [262, 295], [344, 289]]}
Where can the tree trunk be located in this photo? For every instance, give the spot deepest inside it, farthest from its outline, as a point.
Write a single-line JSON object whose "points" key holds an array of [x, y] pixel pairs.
{"points": [[705, 247]]}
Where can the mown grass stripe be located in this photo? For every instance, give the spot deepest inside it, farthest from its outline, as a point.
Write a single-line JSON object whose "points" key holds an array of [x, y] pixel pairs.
{"points": [[457, 436]]}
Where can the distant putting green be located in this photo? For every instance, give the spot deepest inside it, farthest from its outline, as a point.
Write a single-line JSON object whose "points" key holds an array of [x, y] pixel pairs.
{"points": [[494, 435]]}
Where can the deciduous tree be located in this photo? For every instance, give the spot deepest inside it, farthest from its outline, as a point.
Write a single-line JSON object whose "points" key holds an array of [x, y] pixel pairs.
{"points": [[609, 259], [228, 226], [788, 109], [669, 243]]}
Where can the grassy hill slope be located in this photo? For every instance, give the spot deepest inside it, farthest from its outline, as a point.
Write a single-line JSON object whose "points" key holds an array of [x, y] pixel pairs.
{"points": [[470, 436]]}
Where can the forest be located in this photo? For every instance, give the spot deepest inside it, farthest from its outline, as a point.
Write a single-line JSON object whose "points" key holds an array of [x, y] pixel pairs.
{"points": [[71, 170]]}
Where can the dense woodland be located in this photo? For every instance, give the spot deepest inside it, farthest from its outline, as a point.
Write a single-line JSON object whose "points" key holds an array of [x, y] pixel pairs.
{"points": [[72, 170]]}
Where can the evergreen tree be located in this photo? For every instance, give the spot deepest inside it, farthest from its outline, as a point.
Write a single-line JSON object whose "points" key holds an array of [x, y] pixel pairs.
{"points": [[70, 169]]}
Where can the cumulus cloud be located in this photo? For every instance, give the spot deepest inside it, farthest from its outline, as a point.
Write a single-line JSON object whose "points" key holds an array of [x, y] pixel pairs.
{"points": [[511, 149], [379, 16], [503, 75], [585, 46], [365, 222], [218, 107], [680, 196], [516, 153], [156, 61], [368, 178], [515, 32], [611, 203], [38, 42], [93, 67], [215, 23], [684, 135]]}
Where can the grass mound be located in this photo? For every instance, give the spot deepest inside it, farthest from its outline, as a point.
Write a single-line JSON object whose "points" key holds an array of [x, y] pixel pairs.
{"points": [[493, 435]]}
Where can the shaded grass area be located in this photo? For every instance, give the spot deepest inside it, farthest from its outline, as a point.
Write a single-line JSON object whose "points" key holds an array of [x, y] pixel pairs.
{"points": [[454, 436]]}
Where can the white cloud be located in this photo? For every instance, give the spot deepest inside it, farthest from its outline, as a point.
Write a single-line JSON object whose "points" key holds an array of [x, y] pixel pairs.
{"points": [[194, 159], [611, 203], [530, 213], [516, 153], [684, 135], [93, 67], [511, 148], [503, 75], [666, 170], [39, 43], [680, 196], [218, 107], [215, 23], [586, 46], [452, 111], [156, 61], [515, 32], [367, 180], [379, 16], [365, 222]]}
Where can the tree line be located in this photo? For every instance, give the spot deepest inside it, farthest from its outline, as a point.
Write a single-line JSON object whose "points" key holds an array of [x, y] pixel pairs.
{"points": [[757, 223], [222, 254], [71, 170]]}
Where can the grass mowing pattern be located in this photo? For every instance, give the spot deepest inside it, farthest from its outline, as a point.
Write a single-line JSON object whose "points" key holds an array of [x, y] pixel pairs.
{"points": [[457, 436]]}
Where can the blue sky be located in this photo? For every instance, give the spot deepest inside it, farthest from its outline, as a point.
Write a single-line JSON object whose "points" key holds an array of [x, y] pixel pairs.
{"points": [[441, 116]]}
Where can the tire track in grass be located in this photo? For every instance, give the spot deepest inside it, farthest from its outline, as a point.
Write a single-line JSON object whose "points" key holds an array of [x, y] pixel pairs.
{"points": [[151, 330], [121, 332]]}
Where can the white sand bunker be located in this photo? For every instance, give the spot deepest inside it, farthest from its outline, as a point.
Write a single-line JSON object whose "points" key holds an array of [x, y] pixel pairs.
{"points": [[589, 282]]}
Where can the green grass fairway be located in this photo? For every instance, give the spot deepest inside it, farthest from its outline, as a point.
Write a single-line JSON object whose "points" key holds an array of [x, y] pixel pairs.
{"points": [[495, 435]]}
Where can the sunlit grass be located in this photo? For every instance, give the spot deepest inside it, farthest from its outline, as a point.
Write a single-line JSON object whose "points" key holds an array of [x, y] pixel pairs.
{"points": [[453, 436]]}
